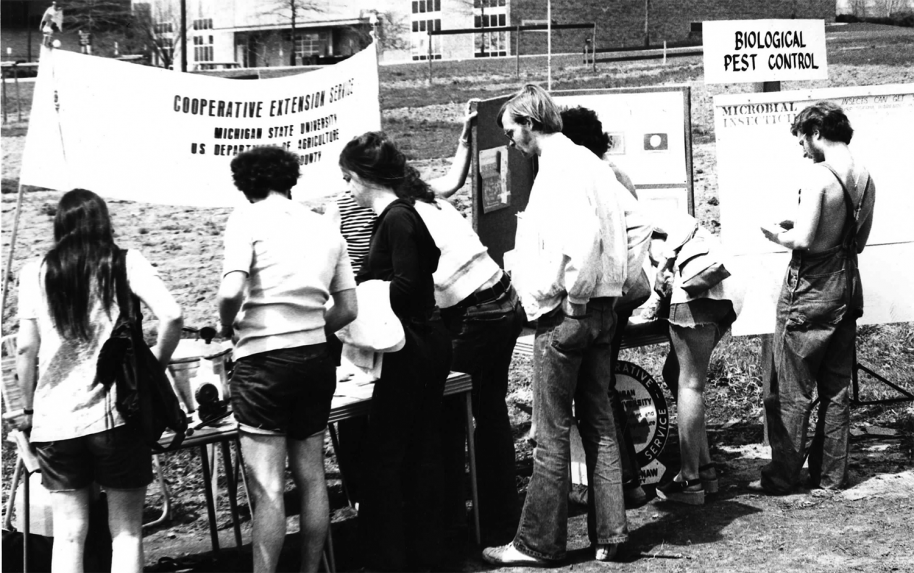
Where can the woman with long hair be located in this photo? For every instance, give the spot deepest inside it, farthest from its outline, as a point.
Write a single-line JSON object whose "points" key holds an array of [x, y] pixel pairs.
{"points": [[401, 498], [67, 309]]}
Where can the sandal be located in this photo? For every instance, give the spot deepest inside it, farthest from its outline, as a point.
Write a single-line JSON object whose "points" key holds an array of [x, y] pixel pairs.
{"points": [[688, 491], [710, 484]]}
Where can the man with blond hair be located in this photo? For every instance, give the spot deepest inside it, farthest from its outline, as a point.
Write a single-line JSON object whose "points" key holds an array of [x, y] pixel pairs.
{"points": [[569, 265]]}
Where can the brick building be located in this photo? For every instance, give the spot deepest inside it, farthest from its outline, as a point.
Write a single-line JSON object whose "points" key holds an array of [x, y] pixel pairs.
{"points": [[256, 33]]}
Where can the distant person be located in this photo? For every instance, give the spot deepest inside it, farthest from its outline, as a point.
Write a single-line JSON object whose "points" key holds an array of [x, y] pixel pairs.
{"points": [[51, 23], [282, 264], [816, 329], [67, 310], [400, 511], [569, 267], [588, 47]]}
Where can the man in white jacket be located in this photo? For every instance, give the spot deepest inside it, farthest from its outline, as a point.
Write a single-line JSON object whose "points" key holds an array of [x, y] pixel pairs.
{"points": [[568, 266]]}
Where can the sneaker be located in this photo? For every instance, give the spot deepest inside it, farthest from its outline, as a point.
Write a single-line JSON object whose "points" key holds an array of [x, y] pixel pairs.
{"points": [[508, 555], [688, 491], [607, 552], [757, 487], [708, 475]]}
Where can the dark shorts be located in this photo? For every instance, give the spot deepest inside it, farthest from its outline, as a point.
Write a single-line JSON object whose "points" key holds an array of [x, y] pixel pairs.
{"points": [[115, 459], [284, 392], [702, 312]]}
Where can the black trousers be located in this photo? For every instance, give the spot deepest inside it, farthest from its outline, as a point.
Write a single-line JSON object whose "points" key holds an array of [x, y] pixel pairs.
{"points": [[401, 507]]}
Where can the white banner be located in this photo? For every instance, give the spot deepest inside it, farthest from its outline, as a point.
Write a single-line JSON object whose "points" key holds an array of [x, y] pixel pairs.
{"points": [[148, 134], [760, 166], [764, 50]]}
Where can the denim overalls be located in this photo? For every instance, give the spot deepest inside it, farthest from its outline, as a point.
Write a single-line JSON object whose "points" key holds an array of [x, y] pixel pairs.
{"points": [[814, 350]]}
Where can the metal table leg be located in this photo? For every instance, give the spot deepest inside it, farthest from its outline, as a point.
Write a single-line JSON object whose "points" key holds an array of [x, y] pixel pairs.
{"points": [[471, 447], [232, 487], [208, 494]]}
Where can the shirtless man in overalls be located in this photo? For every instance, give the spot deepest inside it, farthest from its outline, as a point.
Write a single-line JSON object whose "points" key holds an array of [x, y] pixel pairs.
{"points": [[818, 307]]}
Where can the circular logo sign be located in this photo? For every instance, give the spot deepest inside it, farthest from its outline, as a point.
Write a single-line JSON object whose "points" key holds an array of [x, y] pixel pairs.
{"points": [[648, 415]]}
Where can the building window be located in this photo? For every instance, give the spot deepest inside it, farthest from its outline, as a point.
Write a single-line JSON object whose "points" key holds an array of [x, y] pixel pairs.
{"points": [[203, 48], [426, 17], [163, 28], [203, 24], [423, 6], [490, 14], [310, 44]]}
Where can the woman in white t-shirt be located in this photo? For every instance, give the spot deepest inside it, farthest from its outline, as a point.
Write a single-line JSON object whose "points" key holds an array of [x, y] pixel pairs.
{"points": [[67, 309]]}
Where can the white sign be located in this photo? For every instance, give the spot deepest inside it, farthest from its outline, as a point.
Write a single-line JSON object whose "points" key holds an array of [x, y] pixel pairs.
{"points": [[148, 134], [764, 50], [760, 166], [647, 130]]}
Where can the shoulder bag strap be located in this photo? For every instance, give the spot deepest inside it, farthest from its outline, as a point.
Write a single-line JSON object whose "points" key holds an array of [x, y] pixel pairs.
{"points": [[122, 289]]}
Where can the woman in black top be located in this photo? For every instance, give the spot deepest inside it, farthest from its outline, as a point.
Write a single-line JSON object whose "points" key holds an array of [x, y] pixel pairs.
{"points": [[401, 499]]}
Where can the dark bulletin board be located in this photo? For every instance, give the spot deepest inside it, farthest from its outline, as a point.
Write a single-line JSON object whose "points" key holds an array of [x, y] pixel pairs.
{"points": [[496, 227]]}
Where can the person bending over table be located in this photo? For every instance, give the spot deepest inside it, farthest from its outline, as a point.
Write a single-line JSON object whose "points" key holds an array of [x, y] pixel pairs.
{"points": [[401, 499], [355, 223], [67, 310], [697, 323], [282, 264]]}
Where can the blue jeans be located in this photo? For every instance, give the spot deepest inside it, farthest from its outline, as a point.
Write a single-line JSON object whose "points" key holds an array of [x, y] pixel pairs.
{"points": [[484, 336], [571, 364], [813, 350]]}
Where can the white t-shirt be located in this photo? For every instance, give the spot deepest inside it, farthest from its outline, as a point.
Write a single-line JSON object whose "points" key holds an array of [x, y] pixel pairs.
{"points": [[465, 264], [294, 260], [68, 404]]}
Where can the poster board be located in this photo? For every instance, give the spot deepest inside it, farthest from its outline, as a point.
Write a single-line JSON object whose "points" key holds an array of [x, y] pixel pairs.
{"points": [[149, 134], [759, 164], [651, 142]]}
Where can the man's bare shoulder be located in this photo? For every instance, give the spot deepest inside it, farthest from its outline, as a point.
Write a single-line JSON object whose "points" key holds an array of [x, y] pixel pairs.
{"points": [[819, 179]]}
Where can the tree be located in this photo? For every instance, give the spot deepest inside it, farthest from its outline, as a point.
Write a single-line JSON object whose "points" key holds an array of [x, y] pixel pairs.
{"points": [[97, 16], [889, 7], [158, 29], [392, 31], [293, 11]]}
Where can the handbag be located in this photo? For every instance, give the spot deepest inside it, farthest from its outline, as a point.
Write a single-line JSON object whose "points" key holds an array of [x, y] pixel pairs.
{"points": [[700, 265], [145, 397]]}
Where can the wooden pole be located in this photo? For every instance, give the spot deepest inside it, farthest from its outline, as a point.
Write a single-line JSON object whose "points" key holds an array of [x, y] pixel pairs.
{"points": [[18, 99], [549, 45], [9, 259], [3, 79], [429, 57], [593, 47], [183, 35], [769, 372]]}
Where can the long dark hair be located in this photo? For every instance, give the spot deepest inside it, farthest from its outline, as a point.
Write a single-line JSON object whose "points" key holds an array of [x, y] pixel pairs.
{"points": [[80, 266], [375, 159]]}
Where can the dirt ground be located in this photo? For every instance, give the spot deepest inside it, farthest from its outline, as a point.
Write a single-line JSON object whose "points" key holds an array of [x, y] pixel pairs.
{"points": [[866, 528]]}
